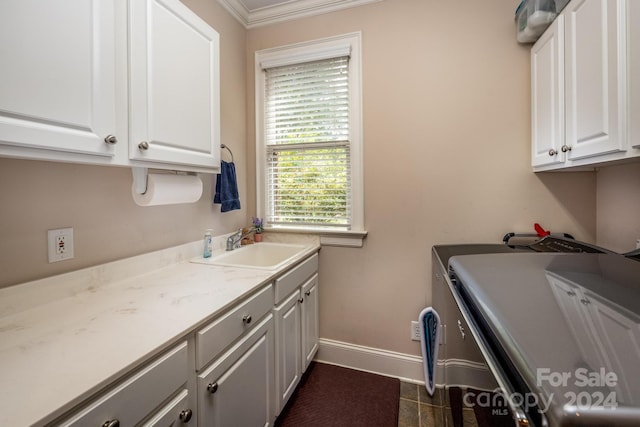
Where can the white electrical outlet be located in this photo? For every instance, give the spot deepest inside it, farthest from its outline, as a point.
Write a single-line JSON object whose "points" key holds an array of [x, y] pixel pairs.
{"points": [[415, 330], [60, 244]]}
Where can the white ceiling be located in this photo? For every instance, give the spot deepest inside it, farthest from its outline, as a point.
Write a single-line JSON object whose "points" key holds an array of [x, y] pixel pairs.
{"points": [[254, 13]]}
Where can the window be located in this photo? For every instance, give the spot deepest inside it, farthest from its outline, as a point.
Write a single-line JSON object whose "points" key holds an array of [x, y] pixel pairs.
{"points": [[308, 136]]}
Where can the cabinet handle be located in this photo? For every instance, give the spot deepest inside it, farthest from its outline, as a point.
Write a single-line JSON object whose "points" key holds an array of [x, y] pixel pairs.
{"points": [[301, 300], [111, 423], [246, 318], [552, 152], [212, 387], [571, 293], [307, 293], [144, 145], [185, 416], [585, 301], [110, 139], [565, 148]]}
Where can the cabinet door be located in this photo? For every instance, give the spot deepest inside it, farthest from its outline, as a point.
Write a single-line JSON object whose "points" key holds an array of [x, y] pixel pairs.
{"points": [[547, 96], [237, 390], [633, 38], [595, 78], [57, 90], [309, 321], [619, 330], [571, 301], [174, 86], [288, 348]]}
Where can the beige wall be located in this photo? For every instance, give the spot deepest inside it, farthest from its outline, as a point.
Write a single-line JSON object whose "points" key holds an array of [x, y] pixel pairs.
{"points": [[446, 155], [96, 201], [446, 134], [618, 207]]}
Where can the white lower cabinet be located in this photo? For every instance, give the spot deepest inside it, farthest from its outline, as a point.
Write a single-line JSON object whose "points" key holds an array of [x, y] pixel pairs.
{"points": [[288, 355], [158, 393], [237, 389], [238, 370], [296, 318], [297, 337], [310, 332]]}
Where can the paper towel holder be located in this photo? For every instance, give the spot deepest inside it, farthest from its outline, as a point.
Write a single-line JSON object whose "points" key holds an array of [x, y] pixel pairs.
{"points": [[140, 175], [139, 179]]}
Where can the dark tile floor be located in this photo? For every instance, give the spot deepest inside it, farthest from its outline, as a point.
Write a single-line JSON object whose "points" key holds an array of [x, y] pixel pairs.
{"points": [[417, 408]]}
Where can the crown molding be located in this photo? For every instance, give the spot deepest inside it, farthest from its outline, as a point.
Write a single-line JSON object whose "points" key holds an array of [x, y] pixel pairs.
{"points": [[286, 11]]}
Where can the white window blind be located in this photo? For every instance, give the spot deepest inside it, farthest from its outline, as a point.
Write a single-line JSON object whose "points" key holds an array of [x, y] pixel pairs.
{"points": [[307, 144]]}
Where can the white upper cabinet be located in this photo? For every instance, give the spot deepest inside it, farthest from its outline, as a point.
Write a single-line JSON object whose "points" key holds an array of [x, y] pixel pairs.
{"points": [[633, 47], [547, 101], [57, 81], [584, 96], [174, 87], [595, 77], [131, 83]]}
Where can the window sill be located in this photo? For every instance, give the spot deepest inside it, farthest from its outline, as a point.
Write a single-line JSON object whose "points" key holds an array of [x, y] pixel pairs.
{"points": [[328, 237]]}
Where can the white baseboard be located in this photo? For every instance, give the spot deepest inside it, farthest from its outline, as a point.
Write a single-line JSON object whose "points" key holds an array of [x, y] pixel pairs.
{"points": [[405, 367]]}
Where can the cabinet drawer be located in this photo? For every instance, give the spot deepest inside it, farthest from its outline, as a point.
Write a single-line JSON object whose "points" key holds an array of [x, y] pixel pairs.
{"points": [[291, 280], [137, 397], [173, 413], [219, 334]]}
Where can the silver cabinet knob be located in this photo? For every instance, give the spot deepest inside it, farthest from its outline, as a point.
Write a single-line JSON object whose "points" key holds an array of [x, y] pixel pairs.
{"points": [[565, 148], [246, 319], [110, 139], [552, 152], [111, 423], [144, 145], [301, 300], [185, 415], [212, 387], [307, 293]]}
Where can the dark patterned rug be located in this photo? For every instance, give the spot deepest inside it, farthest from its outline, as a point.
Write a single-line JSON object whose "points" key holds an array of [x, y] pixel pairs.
{"points": [[330, 395]]}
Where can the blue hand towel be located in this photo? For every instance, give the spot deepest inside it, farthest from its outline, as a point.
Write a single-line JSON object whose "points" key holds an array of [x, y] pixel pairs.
{"points": [[227, 188]]}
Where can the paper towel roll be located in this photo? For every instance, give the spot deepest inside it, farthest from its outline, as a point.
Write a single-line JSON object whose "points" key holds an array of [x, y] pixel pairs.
{"points": [[166, 189]]}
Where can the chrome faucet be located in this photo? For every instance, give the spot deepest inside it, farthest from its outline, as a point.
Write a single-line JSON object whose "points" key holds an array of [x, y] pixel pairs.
{"points": [[233, 241]]}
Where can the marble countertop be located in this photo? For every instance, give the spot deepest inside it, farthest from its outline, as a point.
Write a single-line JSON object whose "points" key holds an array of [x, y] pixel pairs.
{"points": [[65, 337]]}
